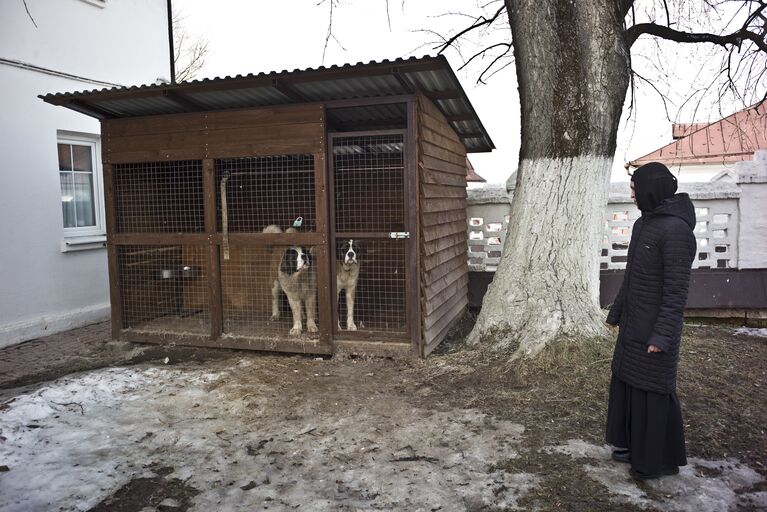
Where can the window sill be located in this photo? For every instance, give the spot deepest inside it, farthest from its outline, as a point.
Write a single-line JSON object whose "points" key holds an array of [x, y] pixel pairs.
{"points": [[83, 243]]}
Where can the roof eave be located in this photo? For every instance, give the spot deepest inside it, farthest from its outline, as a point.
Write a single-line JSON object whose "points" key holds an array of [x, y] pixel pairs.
{"points": [[86, 102]]}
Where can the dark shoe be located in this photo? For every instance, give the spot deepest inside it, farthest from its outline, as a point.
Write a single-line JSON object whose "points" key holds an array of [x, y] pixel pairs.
{"points": [[638, 475], [622, 456]]}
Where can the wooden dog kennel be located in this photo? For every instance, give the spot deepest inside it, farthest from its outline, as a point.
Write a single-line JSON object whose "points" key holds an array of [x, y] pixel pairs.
{"points": [[194, 173]]}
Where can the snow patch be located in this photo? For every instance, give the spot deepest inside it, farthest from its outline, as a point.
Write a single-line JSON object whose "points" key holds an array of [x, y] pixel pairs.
{"points": [[243, 446], [702, 485], [578, 449], [752, 331]]}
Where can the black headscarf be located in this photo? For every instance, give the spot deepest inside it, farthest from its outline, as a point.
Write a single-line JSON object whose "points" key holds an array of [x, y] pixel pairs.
{"points": [[653, 183]]}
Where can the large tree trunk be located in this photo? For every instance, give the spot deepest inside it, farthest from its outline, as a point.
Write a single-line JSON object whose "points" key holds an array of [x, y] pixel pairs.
{"points": [[573, 72]]}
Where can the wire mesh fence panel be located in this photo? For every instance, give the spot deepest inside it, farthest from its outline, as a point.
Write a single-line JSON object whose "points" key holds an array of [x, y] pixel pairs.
{"points": [[270, 292], [260, 191], [164, 289], [368, 172], [371, 289], [159, 197]]}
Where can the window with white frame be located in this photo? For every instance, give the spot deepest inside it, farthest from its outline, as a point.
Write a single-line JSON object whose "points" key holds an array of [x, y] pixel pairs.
{"points": [[81, 189]]}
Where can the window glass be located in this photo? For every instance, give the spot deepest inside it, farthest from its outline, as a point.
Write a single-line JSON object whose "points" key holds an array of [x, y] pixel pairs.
{"points": [[76, 175], [84, 204], [81, 158], [68, 199], [65, 157]]}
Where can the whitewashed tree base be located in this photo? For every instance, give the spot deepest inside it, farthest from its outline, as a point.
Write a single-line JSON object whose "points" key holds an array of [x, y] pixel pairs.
{"points": [[547, 283]]}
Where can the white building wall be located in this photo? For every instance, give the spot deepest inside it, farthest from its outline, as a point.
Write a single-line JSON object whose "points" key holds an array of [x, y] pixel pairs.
{"points": [[700, 172], [42, 288], [125, 41]]}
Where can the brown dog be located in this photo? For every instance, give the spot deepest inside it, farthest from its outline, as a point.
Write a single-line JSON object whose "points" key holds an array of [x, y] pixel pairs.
{"points": [[297, 278], [347, 275]]}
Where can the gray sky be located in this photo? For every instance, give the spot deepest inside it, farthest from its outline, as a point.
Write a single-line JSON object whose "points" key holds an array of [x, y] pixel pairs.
{"points": [[251, 36]]}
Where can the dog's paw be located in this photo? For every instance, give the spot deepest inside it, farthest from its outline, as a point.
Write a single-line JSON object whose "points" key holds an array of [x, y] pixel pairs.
{"points": [[351, 326], [295, 331], [311, 327], [274, 318]]}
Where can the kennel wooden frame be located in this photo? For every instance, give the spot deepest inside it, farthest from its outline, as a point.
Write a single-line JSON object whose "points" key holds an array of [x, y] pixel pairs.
{"points": [[433, 209]]}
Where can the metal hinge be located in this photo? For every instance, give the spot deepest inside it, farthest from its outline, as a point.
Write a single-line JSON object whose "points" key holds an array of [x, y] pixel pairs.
{"points": [[399, 234]]}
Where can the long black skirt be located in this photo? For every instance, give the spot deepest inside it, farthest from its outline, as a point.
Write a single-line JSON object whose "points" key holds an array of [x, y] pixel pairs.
{"points": [[649, 425]]}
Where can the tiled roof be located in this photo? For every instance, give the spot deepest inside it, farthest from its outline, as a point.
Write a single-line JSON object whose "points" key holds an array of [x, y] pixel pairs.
{"points": [[732, 139], [471, 174]]}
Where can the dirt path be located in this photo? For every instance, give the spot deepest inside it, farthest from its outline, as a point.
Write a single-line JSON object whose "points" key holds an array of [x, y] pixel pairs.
{"points": [[459, 431]]}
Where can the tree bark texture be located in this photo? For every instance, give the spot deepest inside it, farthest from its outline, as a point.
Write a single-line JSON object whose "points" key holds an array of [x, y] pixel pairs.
{"points": [[573, 68]]}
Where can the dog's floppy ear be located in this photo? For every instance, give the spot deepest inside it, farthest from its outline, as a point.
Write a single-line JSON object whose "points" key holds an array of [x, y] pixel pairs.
{"points": [[288, 263], [359, 248]]}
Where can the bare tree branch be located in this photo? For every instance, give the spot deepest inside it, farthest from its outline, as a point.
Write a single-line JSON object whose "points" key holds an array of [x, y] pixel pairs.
{"points": [[484, 26], [662, 96], [189, 55], [482, 53], [746, 33], [329, 35], [26, 7], [668, 16], [481, 21], [736, 38]]}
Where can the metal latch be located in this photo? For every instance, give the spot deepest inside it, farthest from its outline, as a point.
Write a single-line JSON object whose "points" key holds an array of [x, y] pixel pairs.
{"points": [[399, 234]]}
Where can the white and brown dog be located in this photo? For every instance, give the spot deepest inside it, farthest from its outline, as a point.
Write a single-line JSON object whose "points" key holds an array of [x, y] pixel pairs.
{"points": [[347, 275], [297, 278]]}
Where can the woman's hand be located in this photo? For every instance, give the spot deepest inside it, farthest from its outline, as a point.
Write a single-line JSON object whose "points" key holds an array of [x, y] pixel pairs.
{"points": [[653, 348]]}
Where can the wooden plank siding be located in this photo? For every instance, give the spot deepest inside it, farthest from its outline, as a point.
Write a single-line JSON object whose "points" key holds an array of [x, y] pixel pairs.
{"points": [[262, 131], [444, 273]]}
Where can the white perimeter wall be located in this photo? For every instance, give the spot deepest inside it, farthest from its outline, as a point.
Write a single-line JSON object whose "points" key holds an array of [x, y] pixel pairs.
{"points": [[42, 289], [753, 206]]}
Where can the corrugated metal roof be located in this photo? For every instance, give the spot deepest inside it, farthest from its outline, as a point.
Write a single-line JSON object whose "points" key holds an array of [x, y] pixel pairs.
{"points": [[238, 98], [431, 76], [140, 106]]}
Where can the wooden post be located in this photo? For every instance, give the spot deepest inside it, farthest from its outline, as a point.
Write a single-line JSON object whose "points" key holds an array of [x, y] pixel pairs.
{"points": [[213, 261], [412, 211], [325, 277], [115, 296]]}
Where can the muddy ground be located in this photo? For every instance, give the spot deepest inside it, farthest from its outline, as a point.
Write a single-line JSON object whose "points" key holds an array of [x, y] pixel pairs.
{"points": [[463, 430]]}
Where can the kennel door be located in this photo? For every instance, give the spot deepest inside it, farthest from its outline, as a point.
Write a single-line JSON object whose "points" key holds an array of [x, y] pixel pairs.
{"points": [[369, 216]]}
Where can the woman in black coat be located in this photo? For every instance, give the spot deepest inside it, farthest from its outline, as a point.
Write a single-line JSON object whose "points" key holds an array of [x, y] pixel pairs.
{"points": [[644, 418]]}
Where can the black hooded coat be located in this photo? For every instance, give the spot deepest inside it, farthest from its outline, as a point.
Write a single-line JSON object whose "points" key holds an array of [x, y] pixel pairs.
{"points": [[650, 304]]}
